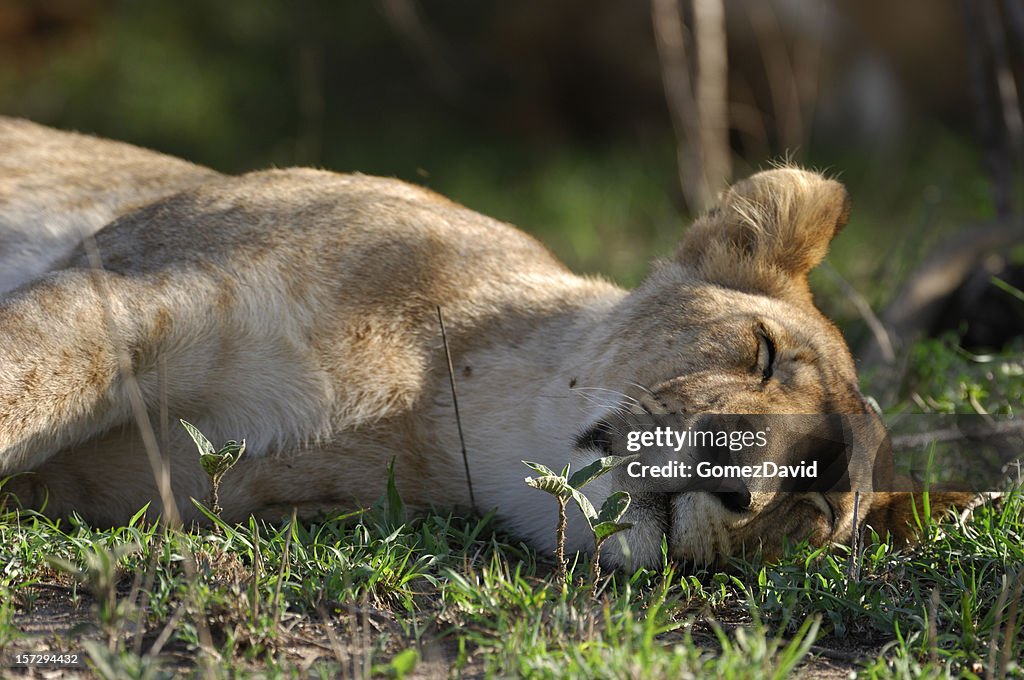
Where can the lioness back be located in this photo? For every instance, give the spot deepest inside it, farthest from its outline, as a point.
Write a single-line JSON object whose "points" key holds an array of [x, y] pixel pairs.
{"points": [[358, 265], [58, 187]]}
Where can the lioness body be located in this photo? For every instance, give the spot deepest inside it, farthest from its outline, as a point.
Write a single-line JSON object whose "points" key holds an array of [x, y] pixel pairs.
{"points": [[297, 309]]}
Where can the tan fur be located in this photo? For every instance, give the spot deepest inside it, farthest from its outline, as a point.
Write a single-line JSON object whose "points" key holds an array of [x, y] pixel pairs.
{"points": [[296, 309]]}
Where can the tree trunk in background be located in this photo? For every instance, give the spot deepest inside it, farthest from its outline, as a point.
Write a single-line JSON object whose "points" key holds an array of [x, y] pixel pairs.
{"points": [[698, 106], [712, 95]]}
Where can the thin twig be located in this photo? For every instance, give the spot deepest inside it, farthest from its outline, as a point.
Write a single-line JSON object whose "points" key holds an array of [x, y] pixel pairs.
{"points": [[276, 606], [933, 628], [670, 40], [160, 466], [257, 572], [332, 637], [138, 587], [780, 74], [863, 308], [165, 413], [1014, 16], [170, 627], [838, 654], [405, 17], [920, 299], [853, 570], [991, 668], [1006, 87], [1010, 630], [595, 567], [981, 66], [560, 541], [312, 107], [711, 91], [455, 405]]}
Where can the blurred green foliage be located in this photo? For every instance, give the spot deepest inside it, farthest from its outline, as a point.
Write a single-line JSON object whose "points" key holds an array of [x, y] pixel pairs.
{"points": [[241, 85], [953, 380]]}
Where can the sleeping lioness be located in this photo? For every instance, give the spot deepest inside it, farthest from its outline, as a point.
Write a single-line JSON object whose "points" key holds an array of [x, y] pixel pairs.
{"points": [[297, 309]]}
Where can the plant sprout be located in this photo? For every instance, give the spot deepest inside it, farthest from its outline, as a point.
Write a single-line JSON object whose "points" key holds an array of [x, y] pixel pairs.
{"points": [[603, 524], [215, 463]]}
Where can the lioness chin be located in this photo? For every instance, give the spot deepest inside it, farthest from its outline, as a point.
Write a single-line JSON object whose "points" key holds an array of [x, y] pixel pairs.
{"points": [[297, 309]]}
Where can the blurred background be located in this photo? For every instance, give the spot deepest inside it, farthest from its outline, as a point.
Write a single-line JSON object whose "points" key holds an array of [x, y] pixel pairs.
{"points": [[602, 126]]}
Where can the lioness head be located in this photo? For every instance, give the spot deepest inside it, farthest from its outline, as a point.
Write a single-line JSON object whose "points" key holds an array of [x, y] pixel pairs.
{"points": [[728, 326]]}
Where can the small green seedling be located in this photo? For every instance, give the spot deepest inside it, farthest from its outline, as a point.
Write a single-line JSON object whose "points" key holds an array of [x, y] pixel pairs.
{"points": [[604, 523], [215, 463], [100, 573]]}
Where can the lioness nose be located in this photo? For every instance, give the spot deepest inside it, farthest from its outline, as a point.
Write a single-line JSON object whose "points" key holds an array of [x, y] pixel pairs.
{"points": [[737, 501]]}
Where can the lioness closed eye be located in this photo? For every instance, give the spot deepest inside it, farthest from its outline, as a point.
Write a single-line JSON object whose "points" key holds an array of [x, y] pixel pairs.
{"points": [[297, 309]]}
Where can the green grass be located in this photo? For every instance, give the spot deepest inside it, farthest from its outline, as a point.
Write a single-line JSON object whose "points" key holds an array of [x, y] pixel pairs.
{"points": [[945, 378], [363, 595]]}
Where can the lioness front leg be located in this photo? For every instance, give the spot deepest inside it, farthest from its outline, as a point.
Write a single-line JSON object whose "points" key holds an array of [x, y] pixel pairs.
{"points": [[60, 381], [191, 341]]}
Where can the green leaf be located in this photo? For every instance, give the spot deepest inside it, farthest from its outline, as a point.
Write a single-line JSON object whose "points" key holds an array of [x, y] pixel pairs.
{"points": [[63, 565], [214, 519], [216, 464], [603, 530], [553, 484], [395, 506], [599, 467], [212, 464], [1007, 288], [798, 647], [584, 504], [232, 450], [139, 515], [614, 507], [404, 662], [202, 443], [540, 469]]}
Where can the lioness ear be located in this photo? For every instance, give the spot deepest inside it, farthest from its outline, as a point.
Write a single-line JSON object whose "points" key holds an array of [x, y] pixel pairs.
{"points": [[893, 512], [767, 232]]}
